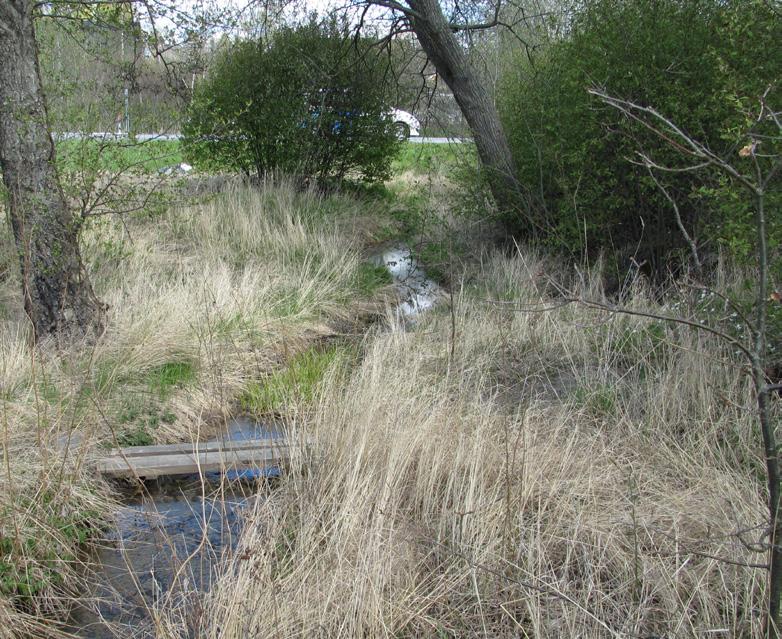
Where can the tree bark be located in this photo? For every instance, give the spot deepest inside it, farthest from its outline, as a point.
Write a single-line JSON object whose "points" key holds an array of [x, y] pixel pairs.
{"points": [[58, 297], [438, 41]]}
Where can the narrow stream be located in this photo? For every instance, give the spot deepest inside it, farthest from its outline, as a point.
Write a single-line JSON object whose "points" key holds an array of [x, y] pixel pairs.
{"points": [[172, 535], [168, 540], [417, 293]]}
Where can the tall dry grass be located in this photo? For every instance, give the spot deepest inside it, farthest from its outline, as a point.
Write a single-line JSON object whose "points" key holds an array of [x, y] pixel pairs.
{"points": [[530, 474], [221, 293]]}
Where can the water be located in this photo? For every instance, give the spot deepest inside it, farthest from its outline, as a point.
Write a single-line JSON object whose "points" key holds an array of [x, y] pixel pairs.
{"points": [[168, 541], [417, 292]]}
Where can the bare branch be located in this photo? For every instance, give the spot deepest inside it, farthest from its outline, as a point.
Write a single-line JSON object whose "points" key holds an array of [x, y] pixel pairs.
{"points": [[680, 140]]}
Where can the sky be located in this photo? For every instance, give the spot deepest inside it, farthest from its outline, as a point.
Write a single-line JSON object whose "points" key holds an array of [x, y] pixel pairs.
{"points": [[250, 12]]}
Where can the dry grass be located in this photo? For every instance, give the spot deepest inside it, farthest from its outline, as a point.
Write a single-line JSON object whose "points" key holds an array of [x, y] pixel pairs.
{"points": [[201, 300], [564, 474], [558, 474]]}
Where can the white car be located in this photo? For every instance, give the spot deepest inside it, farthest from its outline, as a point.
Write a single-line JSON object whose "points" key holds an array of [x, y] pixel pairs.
{"points": [[405, 124]]}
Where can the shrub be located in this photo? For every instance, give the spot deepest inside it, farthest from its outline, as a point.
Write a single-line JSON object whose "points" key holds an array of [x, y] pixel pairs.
{"points": [[309, 100], [701, 63]]}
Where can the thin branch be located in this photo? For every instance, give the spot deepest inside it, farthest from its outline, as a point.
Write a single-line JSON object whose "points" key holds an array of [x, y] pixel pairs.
{"points": [[685, 143], [611, 308], [693, 248]]}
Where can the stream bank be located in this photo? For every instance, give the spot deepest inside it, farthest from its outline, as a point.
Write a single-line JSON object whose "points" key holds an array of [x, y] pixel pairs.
{"points": [[172, 536]]}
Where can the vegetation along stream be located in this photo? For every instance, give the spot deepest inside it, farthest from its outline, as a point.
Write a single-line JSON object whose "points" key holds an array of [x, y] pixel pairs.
{"points": [[170, 538]]}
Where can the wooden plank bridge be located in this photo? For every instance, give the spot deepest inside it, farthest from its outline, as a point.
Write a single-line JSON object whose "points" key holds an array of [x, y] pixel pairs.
{"points": [[148, 462]]}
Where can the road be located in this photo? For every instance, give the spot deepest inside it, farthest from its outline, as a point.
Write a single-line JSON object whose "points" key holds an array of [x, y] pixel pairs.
{"points": [[420, 140], [146, 137]]}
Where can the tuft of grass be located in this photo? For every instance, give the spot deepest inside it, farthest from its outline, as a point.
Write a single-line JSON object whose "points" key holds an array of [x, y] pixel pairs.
{"points": [[34, 565], [138, 435], [295, 385], [163, 379], [371, 277], [139, 419], [599, 401]]}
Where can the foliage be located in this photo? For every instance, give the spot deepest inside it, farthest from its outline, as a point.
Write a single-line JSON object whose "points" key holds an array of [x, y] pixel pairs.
{"points": [[309, 101], [31, 564], [90, 53], [700, 63], [106, 175]]}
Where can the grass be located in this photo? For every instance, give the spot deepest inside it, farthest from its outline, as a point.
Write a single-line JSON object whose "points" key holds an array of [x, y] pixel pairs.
{"points": [[296, 385], [149, 156], [112, 155], [423, 159], [204, 300], [423, 206], [140, 416], [22, 581], [371, 277], [524, 480], [489, 471], [164, 379]]}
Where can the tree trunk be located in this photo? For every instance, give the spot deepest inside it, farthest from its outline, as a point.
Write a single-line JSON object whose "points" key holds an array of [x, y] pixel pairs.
{"points": [[58, 297], [438, 41]]}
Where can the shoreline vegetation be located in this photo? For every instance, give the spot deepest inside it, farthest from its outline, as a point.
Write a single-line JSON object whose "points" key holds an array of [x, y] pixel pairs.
{"points": [[491, 470]]}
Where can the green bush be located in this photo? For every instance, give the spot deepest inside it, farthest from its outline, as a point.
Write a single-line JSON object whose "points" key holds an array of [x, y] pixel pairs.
{"points": [[701, 63], [309, 101]]}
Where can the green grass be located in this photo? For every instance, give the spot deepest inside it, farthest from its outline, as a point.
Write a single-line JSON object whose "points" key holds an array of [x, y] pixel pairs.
{"points": [[115, 156], [427, 158], [139, 417], [371, 277], [162, 380], [30, 565], [141, 413], [598, 400], [296, 383], [137, 435]]}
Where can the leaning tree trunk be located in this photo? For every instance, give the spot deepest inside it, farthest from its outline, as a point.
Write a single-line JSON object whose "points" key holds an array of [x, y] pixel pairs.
{"points": [[58, 296], [438, 41]]}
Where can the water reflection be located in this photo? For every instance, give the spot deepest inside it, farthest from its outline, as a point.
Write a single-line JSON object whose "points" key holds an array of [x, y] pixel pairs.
{"points": [[417, 292]]}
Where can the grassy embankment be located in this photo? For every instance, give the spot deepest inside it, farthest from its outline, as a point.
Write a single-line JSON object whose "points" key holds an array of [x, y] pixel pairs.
{"points": [[205, 303], [498, 471], [489, 472], [118, 155], [508, 473]]}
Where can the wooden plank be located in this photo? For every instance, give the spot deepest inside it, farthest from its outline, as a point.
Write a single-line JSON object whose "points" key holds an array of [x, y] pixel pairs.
{"points": [[189, 448], [155, 461]]}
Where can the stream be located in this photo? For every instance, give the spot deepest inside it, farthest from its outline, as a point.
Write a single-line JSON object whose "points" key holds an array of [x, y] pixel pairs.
{"points": [[171, 536], [168, 540], [417, 292]]}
